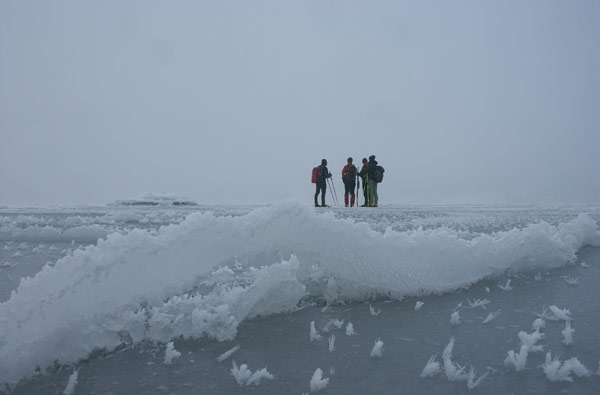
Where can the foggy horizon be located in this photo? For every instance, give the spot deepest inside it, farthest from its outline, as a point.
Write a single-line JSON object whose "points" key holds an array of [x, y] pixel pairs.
{"points": [[235, 102]]}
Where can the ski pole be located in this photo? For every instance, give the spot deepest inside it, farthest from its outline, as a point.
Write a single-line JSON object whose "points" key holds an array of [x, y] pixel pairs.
{"points": [[337, 202], [368, 197], [331, 191], [357, 186]]}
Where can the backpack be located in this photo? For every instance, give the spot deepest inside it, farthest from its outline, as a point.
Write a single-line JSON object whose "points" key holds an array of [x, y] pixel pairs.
{"points": [[379, 170], [317, 173], [351, 173]]}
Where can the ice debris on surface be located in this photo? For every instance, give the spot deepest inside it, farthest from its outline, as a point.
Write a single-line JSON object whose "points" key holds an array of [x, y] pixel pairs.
{"points": [[538, 323], [332, 343], [372, 310], [331, 324], [314, 335], [228, 353], [418, 306], [559, 314], [455, 318], [431, 368], [568, 334], [171, 353], [571, 280], [472, 382], [350, 329], [478, 303], [73, 380], [555, 370], [528, 344], [377, 350], [317, 382], [491, 316], [454, 371], [244, 376], [505, 287]]}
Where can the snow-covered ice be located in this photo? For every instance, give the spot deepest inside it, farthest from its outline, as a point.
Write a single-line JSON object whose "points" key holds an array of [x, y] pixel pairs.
{"points": [[129, 279]]}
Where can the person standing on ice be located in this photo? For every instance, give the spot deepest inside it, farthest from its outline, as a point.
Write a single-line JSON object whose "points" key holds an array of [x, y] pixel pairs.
{"points": [[321, 182], [363, 175], [349, 178], [372, 182]]}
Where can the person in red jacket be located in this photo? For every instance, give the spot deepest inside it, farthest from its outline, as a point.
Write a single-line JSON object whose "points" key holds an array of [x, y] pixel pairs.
{"points": [[349, 177]]}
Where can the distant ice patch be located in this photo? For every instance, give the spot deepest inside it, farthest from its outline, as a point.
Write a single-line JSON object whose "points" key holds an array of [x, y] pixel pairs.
{"points": [[156, 199]]}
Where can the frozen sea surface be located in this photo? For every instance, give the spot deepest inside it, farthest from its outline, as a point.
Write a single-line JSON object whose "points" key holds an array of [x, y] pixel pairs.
{"points": [[104, 289]]}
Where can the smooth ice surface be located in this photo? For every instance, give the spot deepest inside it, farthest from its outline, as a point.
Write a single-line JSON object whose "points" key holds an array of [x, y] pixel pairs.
{"points": [[214, 278]]}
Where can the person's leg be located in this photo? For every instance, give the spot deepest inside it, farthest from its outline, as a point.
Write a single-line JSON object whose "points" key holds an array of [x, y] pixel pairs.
{"points": [[323, 193], [346, 192], [372, 192], [317, 193], [351, 186], [376, 196]]}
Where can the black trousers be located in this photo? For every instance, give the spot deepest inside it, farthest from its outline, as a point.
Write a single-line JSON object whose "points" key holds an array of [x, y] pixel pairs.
{"points": [[321, 188], [349, 186]]}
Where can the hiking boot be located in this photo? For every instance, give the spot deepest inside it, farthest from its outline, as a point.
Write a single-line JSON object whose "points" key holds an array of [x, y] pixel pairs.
{"points": [[364, 205], [346, 204], [324, 205], [316, 205], [375, 205]]}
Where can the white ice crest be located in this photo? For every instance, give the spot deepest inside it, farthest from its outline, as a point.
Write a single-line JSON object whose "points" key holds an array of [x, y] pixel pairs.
{"points": [[418, 306], [332, 343]]}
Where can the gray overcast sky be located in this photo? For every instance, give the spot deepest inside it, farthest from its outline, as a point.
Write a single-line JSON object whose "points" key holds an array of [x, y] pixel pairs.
{"points": [[236, 101]]}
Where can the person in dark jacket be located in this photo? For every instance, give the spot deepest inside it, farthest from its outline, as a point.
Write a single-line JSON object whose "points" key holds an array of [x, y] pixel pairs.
{"points": [[372, 184], [321, 184], [363, 176], [349, 178]]}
